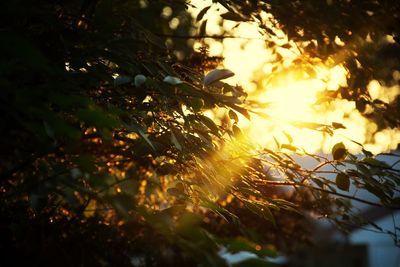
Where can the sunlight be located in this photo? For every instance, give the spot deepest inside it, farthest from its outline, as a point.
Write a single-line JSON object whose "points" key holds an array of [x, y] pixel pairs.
{"points": [[293, 100], [293, 93]]}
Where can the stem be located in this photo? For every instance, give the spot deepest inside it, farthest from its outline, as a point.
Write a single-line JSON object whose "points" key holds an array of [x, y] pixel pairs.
{"points": [[282, 183], [218, 37]]}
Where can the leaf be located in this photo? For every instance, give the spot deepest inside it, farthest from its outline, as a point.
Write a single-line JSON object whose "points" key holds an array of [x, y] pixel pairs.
{"points": [[86, 163], [236, 131], [196, 103], [175, 141], [339, 151], [375, 163], [217, 75], [260, 210], [202, 29], [233, 16], [337, 125], [189, 89], [175, 192], [289, 147], [277, 142], [233, 116], [210, 124], [241, 110], [120, 80], [202, 13], [97, 117], [172, 80], [318, 182], [188, 221], [367, 153], [123, 204], [139, 80], [343, 181], [286, 46], [289, 137], [377, 191], [138, 129]]}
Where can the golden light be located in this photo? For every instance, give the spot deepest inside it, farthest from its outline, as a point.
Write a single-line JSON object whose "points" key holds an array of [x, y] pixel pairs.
{"points": [[293, 99], [292, 96], [293, 92]]}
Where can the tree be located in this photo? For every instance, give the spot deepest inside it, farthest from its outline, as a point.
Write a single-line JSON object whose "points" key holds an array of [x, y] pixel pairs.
{"points": [[108, 158]]}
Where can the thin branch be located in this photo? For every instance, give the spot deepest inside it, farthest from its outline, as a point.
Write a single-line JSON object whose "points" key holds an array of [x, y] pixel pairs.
{"points": [[283, 183], [217, 37]]}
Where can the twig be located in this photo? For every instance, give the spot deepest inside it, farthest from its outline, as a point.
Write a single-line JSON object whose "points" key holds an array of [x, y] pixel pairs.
{"points": [[217, 37], [283, 183]]}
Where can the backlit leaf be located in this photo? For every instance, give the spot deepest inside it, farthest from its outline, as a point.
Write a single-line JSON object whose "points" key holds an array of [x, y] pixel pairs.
{"points": [[343, 181], [339, 151], [202, 13]]}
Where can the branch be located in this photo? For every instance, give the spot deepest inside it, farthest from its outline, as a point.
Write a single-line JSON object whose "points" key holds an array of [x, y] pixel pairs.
{"points": [[283, 183], [218, 37]]}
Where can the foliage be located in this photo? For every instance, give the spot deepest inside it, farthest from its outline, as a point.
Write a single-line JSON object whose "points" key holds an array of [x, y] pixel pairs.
{"points": [[108, 157], [360, 34]]}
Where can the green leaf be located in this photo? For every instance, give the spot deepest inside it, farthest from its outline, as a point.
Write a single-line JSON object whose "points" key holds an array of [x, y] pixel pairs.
{"points": [[339, 151], [343, 181]]}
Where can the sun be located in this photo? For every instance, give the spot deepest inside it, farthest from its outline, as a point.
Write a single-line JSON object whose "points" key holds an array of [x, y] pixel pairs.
{"points": [[292, 99], [293, 96]]}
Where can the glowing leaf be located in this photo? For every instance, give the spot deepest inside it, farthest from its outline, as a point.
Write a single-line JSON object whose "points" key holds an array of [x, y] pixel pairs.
{"points": [[233, 115], [216, 75]]}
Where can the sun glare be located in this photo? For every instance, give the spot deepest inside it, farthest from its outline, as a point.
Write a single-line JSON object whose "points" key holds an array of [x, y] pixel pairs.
{"points": [[293, 95]]}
